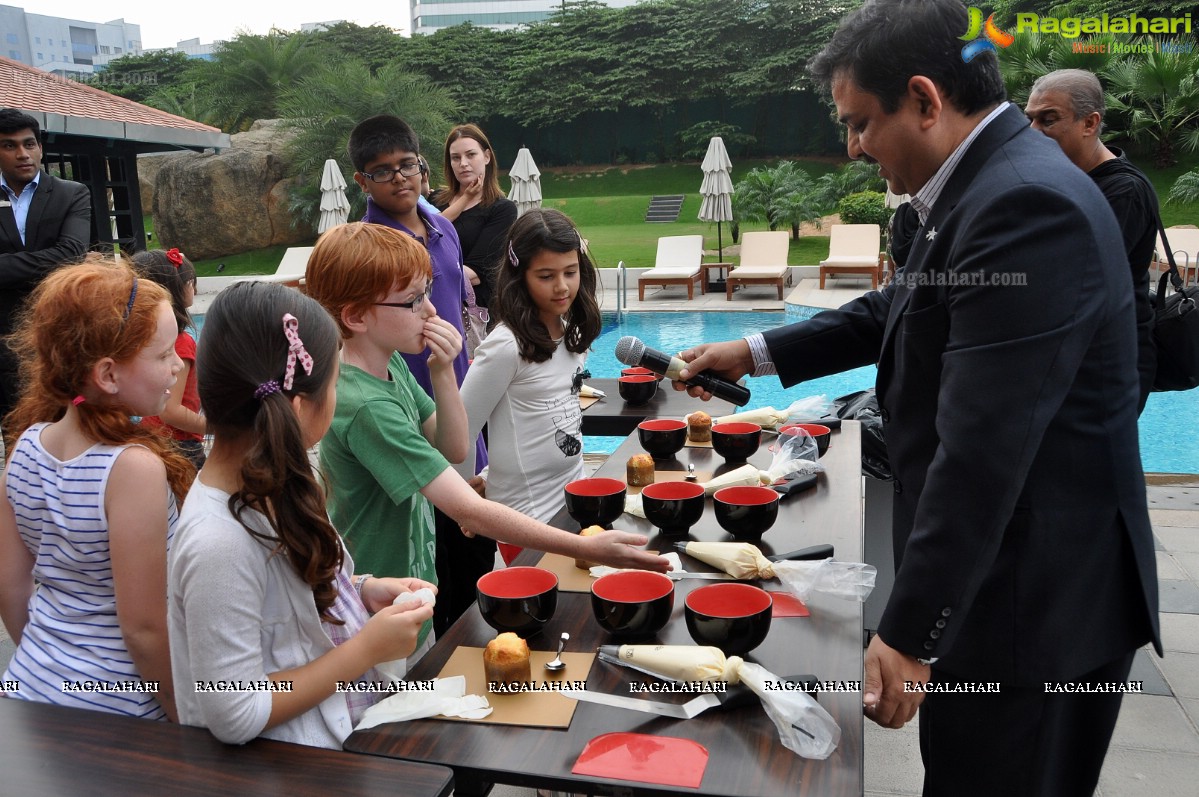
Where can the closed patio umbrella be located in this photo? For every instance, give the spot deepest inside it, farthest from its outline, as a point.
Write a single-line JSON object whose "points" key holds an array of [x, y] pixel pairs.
{"points": [[335, 208], [717, 189], [526, 182]]}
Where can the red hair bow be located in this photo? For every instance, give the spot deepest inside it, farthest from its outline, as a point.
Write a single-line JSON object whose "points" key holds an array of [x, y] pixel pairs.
{"points": [[175, 256]]}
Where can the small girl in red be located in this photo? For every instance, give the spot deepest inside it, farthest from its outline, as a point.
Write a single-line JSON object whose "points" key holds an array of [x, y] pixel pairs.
{"points": [[181, 416]]}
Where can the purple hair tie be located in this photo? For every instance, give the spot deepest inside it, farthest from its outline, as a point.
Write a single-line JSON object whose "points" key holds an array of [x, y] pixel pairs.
{"points": [[266, 389], [512, 258], [132, 298]]}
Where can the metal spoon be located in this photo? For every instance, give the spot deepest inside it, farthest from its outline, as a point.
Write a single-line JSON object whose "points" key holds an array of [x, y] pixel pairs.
{"points": [[557, 664]]}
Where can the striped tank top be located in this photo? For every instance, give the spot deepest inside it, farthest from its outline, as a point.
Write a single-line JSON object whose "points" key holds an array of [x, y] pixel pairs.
{"points": [[71, 651]]}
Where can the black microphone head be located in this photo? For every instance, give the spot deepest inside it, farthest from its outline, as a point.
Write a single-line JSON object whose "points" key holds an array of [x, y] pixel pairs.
{"points": [[629, 350]]}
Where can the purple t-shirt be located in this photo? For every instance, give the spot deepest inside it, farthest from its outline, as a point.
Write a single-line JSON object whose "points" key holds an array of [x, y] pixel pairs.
{"points": [[449, 294]]}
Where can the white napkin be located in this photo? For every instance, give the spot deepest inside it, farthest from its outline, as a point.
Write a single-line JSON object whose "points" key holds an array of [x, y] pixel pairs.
{"points": [[587, 391], [676, 565], [448, 699]]}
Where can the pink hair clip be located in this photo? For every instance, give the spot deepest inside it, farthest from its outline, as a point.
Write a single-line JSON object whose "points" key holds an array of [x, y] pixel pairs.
{"points": [[295, 350], [77, 401], [512, 258]]}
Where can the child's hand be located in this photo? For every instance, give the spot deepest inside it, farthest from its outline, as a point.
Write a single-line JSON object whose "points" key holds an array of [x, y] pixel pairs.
{"points": [[614, 548], [380, 592], [474, 190], [444, 342], [391, 633]]}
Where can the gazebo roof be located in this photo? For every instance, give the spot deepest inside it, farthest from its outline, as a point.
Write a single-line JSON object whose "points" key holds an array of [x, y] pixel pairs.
{"points": [[64, 106]]}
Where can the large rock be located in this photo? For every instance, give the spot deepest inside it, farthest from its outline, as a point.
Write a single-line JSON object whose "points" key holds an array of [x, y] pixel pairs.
{"points": [[214, 205]]}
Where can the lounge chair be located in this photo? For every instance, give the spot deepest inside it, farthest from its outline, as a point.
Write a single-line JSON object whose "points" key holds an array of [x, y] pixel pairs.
{"points": [[853, 249], [763, 262], [1184, 242], [677, 263], [291, 267]]}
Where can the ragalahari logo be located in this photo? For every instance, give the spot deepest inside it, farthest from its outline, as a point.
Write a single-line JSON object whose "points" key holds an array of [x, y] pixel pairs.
{"points": [[991, 33]]}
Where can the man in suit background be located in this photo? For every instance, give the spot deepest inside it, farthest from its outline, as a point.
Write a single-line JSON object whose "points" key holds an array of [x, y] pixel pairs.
{"points": [[44, 222], [1006, 355]]}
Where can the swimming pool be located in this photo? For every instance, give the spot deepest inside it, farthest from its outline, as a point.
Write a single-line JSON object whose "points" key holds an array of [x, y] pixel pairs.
{"points": [[1168, 443]]}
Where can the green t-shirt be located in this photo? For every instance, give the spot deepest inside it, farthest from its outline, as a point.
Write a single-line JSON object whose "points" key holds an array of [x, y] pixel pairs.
{"points": [[376, 460]]}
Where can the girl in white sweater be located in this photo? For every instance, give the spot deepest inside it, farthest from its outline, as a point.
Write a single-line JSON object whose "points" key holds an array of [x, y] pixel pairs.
{"points": [[266, 616], [525, 378]]}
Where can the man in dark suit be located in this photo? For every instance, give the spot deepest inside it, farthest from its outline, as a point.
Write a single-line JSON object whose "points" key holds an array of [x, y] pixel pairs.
{"points": [[1006, 357], [44, 222]]}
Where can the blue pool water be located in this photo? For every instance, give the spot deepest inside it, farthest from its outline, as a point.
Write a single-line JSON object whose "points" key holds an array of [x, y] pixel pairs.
{"points": [[1168, 441]]}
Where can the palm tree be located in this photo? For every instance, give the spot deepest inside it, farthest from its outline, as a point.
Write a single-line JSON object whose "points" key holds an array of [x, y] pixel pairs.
{"points": [[782, 195], [1185, 188], [850, 178], [324, 107], [1158, 92], [250, 73]]}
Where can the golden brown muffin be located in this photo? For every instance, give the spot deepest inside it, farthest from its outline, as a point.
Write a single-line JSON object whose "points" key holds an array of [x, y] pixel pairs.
{"points": [[590, 531], [640, 470], [506, 660], [699, 427]]}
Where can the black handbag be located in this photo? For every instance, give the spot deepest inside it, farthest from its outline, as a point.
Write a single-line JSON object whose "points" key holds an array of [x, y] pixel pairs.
{"points": [[1176, 328]]}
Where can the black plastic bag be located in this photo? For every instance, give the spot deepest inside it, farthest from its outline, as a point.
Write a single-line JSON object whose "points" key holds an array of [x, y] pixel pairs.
{"points": [[862, 406]]}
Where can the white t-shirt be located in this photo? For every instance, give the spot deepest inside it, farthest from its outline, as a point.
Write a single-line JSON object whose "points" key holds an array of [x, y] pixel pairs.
{"points": [[534, 423]]}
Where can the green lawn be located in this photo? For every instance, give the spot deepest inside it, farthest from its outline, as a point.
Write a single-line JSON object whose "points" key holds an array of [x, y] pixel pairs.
{"points": [[608, 204]]}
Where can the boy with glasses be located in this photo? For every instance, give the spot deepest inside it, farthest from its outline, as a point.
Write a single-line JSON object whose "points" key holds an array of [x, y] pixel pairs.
{"points": [[388, 450]]}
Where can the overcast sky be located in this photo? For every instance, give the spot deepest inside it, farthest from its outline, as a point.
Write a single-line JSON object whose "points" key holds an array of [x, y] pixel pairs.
{"points": [[165, 23]]}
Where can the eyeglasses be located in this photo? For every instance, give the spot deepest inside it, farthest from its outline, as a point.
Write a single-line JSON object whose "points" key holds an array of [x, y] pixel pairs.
{"points": [[417, 302], [387, 175], [576, 381]]}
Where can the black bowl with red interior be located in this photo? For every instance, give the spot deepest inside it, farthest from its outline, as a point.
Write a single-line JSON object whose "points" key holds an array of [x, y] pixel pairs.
{"points": [[732, 617], [517, 599], [818, 432], [746, 512], [674, 507], [639, 389], [632, 603], [595, 501], [736, 441], [662, 438]]}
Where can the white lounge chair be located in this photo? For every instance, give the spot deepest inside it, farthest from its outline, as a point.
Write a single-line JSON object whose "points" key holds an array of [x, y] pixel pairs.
{"points": [[677, 263], [763, 262], [1184, 243], [853, 249]]}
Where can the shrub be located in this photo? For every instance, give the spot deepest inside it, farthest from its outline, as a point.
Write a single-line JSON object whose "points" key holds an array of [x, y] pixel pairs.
{"points": [[864, 207]]}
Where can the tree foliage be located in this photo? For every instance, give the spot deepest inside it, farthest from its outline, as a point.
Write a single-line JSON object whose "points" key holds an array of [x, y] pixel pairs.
{"points": [[137, 77], [323, 108]]}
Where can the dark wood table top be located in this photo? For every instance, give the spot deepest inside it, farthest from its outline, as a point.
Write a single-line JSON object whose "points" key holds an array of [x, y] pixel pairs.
{"points": [[56, 750], [746, 757], [612, 417]]}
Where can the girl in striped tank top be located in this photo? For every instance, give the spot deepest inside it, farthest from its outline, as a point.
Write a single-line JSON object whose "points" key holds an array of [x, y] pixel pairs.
{"points": [[91, 497]]}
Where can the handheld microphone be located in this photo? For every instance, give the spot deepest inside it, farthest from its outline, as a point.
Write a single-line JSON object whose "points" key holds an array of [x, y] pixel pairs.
{"points": [[631, 351]]}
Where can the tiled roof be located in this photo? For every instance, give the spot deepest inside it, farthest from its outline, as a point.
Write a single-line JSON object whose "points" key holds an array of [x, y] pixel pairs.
{"points": [[32, 90]]}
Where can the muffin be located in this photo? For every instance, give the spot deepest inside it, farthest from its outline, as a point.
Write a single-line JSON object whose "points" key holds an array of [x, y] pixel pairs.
{"points": [[699, 427], [506, 660], [640, 470], [590, 531]]}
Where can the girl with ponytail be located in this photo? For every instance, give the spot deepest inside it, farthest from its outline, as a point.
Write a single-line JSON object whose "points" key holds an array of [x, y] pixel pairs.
{"points": [[262, 590], [91, 497]]}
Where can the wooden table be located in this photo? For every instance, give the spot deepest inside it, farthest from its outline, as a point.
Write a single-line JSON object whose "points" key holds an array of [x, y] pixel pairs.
{"points": [[55, 750], [611, 416], [746, 758]]}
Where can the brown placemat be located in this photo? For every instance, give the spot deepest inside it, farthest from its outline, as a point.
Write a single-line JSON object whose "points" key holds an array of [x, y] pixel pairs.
{"points": [[587, 401], [674, 476], [694, 444], [570, 578], [530, 709]]}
